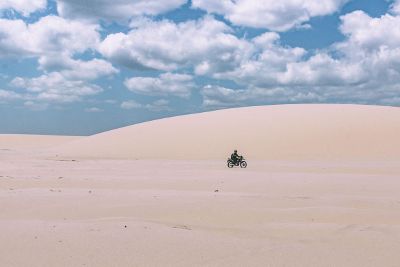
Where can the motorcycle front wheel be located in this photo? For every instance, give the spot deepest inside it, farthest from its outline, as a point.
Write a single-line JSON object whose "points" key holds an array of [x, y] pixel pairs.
{"points": [[230, 164], [243, 164]]}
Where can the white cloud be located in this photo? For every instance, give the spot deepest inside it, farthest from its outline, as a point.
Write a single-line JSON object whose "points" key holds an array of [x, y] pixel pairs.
{"points": [[370, 33], [206, 45], [6, 95], [77, 69], [373, 44], [37, 106], [50, 35], [111, 101], [270, 14], [25, 7], [156, 106], [131, 104], [368, 58], [164, 85], [322, 70], [159, 105], [396, 7], [70, 84], [116, 10], [268, 62], [11, 41], [54, 87], [218, 96], [93, 110], [267, 71], [364, 68], [55, 42]]}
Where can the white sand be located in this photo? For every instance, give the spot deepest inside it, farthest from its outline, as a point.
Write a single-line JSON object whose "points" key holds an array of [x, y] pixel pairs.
{"points": [[271, 132], [31, 142], [294, 211]]}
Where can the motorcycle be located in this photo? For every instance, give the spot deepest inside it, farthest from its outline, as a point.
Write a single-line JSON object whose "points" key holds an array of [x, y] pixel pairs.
{"points": [[240, 162]]}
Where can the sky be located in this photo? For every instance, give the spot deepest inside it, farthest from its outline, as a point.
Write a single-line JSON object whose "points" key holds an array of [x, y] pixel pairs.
{"points": [[80, 67]]}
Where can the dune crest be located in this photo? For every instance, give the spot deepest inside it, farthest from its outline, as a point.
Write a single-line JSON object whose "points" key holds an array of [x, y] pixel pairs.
{"points": [[317, 131]]}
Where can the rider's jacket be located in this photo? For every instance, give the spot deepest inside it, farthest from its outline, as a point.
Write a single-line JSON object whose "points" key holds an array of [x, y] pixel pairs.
{"points": [[234, 156]]}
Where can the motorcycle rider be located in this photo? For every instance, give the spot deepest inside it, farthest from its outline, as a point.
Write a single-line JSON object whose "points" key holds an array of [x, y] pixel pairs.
{"points": [[235, 157]]}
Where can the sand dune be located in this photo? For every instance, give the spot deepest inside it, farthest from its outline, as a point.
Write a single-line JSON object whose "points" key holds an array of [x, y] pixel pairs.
{"points": [[103, 208], [267, 132], [20, 141]]}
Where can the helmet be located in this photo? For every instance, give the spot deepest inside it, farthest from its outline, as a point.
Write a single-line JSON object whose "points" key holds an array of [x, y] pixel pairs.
{"points": [[235, 151]]}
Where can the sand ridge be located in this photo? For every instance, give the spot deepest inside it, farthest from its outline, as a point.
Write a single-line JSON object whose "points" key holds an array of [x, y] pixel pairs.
{"points": [[267, 132]]}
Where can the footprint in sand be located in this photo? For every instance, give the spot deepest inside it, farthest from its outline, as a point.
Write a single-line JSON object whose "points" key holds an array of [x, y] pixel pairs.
{"points": [[300, 198], [347, 228], [183, 227]]}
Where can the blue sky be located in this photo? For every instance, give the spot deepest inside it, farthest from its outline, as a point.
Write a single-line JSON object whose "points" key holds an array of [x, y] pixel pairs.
{"points": [[73, 67]]}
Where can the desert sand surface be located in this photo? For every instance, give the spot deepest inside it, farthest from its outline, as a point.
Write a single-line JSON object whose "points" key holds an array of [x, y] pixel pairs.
{"points": [[294, 132], [20, 142], [79, 202]]}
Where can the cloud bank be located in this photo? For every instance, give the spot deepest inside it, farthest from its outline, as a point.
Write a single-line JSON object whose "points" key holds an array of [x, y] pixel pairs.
{"points": [[149, 54], [25, 7], [270, 14]]}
